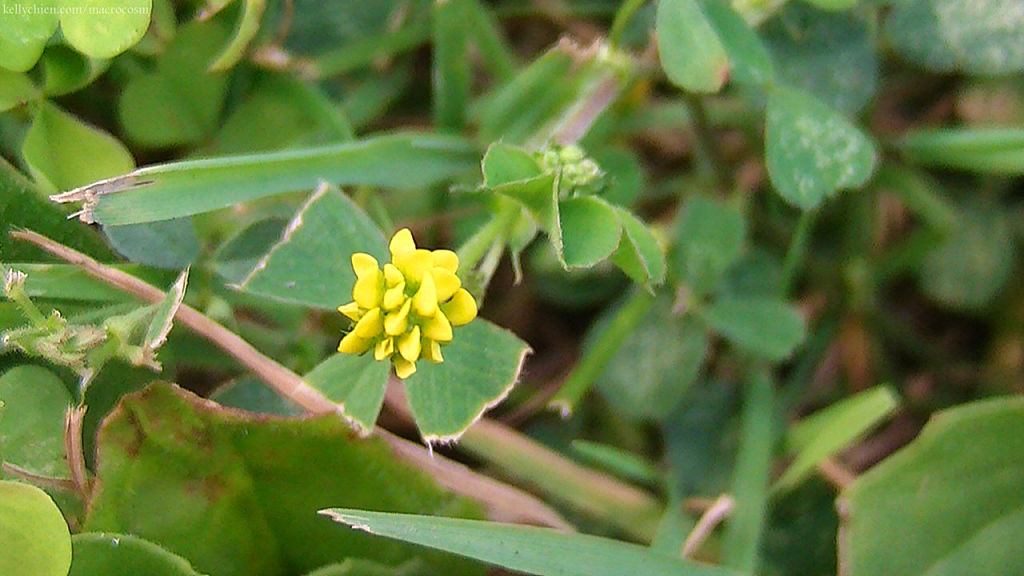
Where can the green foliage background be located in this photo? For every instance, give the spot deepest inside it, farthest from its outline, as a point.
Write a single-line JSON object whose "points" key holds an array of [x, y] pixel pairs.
{"points": [[748, 275]]}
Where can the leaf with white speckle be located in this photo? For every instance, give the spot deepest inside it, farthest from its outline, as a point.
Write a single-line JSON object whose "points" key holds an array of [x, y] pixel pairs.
{"points": [[973, 36], [812, 150]]}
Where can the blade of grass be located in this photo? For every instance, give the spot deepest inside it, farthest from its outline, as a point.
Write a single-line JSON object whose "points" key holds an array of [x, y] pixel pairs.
{"points": [[451, 66], [523, 548], [363, 53], [618, 461], [831, 429], [179, 189], [742, 540], [494, 51]]}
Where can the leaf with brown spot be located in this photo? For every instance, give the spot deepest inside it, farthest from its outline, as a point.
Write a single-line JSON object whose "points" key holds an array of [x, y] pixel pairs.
{"points": [[236, 494]]}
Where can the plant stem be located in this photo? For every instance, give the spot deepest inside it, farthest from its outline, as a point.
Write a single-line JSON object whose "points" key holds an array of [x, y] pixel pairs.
{"points": [[626, 318], [797, 249], [707, 149], [597, 495], [626, 11]]}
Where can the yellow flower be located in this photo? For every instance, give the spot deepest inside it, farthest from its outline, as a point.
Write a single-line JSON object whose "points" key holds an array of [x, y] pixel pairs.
{"points": [[406, 310]]}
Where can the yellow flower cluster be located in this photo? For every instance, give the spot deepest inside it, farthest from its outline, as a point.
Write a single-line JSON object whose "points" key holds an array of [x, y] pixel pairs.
{"points": [[406, 310]]}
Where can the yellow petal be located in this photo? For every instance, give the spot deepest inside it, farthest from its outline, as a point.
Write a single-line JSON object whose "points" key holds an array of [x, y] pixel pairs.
{"points": [[425, 300], [409, 345], [394, 296], [414, 265], [384, 349], [403, 368], [369, 290], [431, 350], [392, 276], [446, 259], [364, 264], [438, 328], [446, 282], [352, 344], [401, 243], [396, 322], [461, 309], [370, 325], [351, 310]]}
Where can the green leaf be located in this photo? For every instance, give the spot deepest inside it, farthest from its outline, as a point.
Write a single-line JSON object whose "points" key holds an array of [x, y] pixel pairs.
{"points": [[639, 254], [946, 524], [973, 264], [171, 244], [749, 60], [480, 366], [758, 273], [245, 32], [33, 535], [105, 28], [984, 38], [711, 236], [690, 51], [184, 188], [984, 150], [24, 205], [764, 327], [539, 196], [23, 36], [251, 485], [590, 231], [66, 71], [813, 151], [830, 55], [741, 543], [523, 548], [832, 429], [163, 315], [242, 252], [624, 174], [356, 383], [102, 554], [311, 262], [504, 163], [280, 112], [180, 101], [15, 89], [648, 375], [254, 395], [32, 430], [63, 152]]}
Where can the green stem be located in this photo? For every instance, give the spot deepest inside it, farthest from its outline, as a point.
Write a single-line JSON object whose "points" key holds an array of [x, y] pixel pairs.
{"points": [[597, 357], [477, 246], [797, 251], [595, 495], [919, 196], [707, 150], [743, 533], [629, 7], [16, 294]]}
